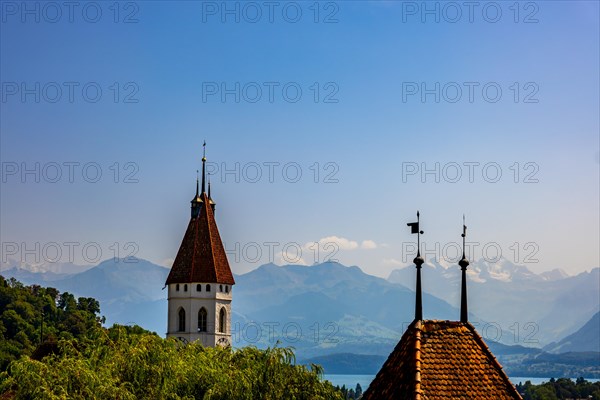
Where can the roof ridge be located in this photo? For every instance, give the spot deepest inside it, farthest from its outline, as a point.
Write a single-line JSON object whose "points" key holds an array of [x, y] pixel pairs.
{"points": [[210, 236], [195, 222], [418, 324], [493, 358]]}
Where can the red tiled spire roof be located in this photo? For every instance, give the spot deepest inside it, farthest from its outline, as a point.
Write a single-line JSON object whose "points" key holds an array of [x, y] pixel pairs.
{"points": [[201, 256], [441, 360]]}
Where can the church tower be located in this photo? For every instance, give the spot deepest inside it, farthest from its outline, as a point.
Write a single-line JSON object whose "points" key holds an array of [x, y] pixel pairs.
{"points": [[200, 282]]}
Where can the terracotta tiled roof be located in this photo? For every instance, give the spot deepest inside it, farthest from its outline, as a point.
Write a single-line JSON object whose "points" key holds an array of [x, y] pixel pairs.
{"points": [[201, 256], [441, 360]]}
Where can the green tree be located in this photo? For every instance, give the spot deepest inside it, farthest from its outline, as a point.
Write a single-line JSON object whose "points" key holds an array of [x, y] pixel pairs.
{"points": [[21, 317], [120, 363], [544, 392], [358, 391], [88, 361]]}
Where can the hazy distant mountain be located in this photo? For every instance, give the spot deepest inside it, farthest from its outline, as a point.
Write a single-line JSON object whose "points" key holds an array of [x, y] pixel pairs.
{"points": [[587, 338], [330, 308], [348, 363], [129, 292], [554, 275], [119, 280], [532, 309], [46, 270], [327, 307]]}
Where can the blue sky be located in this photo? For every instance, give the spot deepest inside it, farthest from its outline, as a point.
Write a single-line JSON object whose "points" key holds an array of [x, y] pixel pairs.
{"points": [[358, 122]]}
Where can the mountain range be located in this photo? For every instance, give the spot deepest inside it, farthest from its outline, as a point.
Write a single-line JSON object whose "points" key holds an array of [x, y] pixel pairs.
{"points": [[129, 292], [587, 338], [329, 308], [532, 309]]}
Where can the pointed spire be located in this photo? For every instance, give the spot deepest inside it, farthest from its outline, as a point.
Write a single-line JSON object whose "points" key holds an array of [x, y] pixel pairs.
{"points": [[201, 256], [464, 263], [203, 164], [196, 201], [197, 194], [415, 228], [210, 200]]}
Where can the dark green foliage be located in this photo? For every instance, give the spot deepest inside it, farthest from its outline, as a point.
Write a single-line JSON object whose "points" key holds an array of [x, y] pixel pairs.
{"points": [[21, 310], [561, 388], [86, 361], [121, 363], [350, 394], [358, 390]]}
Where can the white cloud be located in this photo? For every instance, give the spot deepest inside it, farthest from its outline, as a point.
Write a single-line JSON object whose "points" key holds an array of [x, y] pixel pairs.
{"points": [[368, 245], [326, 249], [342, 243]]}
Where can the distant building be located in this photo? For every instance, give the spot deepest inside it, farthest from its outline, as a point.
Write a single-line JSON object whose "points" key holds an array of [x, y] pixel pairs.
{"points": [[441, 359], [200, 282]]}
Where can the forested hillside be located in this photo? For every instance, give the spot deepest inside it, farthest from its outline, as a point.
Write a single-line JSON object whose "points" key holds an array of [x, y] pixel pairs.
{"points": [[21, 311], [82, 360]]}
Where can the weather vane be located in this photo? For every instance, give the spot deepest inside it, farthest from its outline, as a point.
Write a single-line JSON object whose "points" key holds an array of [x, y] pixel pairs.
{"points": [[203, 166], [464, 235], [414, 228]]}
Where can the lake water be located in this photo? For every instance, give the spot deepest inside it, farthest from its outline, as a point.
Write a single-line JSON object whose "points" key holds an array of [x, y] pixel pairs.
{"points": [[349, 380], [365, 380]]}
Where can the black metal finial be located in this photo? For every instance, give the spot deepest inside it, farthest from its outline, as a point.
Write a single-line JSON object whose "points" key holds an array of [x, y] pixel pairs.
{"points": [[203, 165], [414, 228], [464, 235], [464, 263], [210, 200], [196, 201], [197, 184], [209, 186]]}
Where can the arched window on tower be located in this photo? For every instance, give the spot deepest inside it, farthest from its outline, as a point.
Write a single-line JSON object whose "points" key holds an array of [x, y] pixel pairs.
{"points": [[222, 320], [177, 287], [202, 314], [220, 288], [208, 288], [181, 321], [198, 287], [185, 288]]}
